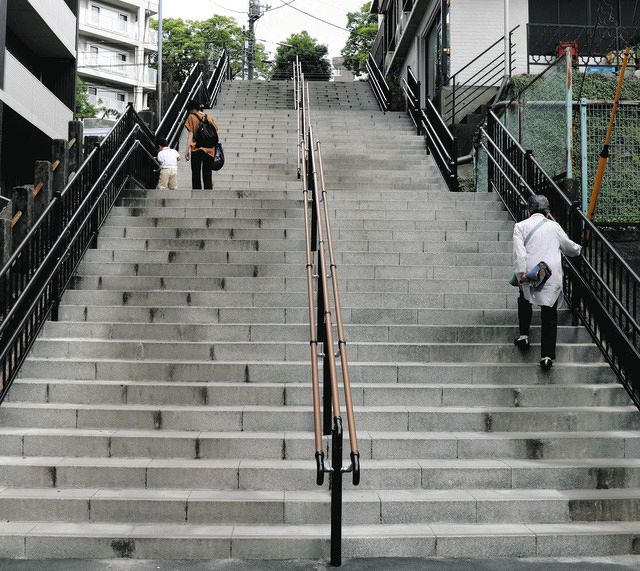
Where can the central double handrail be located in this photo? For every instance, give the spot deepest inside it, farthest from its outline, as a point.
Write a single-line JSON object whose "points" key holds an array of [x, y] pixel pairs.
{"points": [[321, 266]]}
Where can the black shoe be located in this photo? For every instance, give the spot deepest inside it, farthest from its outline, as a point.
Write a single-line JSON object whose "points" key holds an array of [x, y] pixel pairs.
{"points": [[522, 342], [546, 363]]}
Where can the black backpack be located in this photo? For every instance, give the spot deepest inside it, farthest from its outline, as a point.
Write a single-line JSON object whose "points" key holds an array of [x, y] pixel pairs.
{"points": [[206, 136]]}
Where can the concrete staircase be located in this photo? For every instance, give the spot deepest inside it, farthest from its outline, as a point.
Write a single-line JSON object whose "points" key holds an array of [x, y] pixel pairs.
{"points": [[167, 414]]}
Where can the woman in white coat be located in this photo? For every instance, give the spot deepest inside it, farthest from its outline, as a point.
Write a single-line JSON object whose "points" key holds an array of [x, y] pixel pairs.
{"points": [[538, 239]]}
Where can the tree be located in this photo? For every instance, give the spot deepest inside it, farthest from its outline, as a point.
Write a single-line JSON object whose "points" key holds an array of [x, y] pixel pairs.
{"points": [[84, 109], [363, 28], [312, 55], [186, 42]]}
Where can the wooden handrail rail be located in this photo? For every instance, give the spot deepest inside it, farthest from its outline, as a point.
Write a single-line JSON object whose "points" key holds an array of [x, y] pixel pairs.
{"points": [[318, 238], [16, 218], [342, 339]]}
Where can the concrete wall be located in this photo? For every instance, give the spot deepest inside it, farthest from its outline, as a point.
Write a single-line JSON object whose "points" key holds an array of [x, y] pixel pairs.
{"points": [[475, 25], [33, 101]]}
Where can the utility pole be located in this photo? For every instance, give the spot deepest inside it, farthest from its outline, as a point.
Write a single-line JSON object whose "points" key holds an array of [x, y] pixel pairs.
{"points": [[255, 13], [507, 40], [159, 92], [244, 50]]}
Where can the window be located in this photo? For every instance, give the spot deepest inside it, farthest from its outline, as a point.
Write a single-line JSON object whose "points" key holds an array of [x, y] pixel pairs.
{"points": [[120, 97], [92, 90], [95, 14], [122, 22]]}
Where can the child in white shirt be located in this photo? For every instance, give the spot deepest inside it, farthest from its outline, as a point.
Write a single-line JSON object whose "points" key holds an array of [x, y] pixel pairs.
{"points": [[168, 159]]}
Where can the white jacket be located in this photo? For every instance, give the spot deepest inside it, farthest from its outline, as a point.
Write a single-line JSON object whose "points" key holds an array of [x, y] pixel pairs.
{"points": [[545, 245]]}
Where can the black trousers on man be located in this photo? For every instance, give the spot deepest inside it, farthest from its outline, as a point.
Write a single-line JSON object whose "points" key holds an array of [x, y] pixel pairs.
{"points": [[549, 324], [201, 170]]}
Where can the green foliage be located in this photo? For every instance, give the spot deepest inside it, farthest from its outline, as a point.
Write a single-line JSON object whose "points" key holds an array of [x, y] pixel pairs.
{"points": [[84, 109], [544, 131], [186, 42], [312, 54], [363, 28], [596, 87]]}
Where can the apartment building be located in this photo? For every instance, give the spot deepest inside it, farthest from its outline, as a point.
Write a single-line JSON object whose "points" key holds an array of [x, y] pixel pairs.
{"points": [[339, 73], [37, 82], [440, 39], [115, 47]]}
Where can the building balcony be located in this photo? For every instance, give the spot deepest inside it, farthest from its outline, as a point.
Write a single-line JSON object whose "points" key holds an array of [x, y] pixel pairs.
{"points": [[151, 39], [46, 27], [107, 27], [103, 101], [106, 67], [33, 101], [150, 77]]}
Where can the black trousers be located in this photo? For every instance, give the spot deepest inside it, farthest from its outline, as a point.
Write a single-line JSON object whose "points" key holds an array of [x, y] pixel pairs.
{"points": [[549, 324], [201, 170]]}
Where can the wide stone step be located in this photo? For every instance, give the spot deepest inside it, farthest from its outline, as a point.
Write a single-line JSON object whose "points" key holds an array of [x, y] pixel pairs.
{"points": [[288, 314], [187, 541], [295, 372], [295, 224], [268, 418], [141, 473], [292, 331], [284, 284], [299, 350], [139, 232], [299, 394], [290, 445], [367, 507]]}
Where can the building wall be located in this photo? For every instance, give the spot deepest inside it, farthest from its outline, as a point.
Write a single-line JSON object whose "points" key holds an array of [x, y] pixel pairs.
{"points": [[474, 26], [37, 83], [116, 46]]}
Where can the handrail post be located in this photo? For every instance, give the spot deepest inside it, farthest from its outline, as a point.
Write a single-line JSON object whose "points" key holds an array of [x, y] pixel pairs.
{"points": [[453, 102], [337, 438]]}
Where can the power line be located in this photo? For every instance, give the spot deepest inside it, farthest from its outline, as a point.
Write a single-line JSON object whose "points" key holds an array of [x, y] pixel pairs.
{"points": [[312, 16], [227, 9], [284, 5]]}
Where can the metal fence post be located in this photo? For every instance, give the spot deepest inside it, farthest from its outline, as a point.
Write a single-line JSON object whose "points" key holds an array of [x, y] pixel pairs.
{"points": [[22, 201], [6, 243], [584, 157], [42, 176], [569, 112]]}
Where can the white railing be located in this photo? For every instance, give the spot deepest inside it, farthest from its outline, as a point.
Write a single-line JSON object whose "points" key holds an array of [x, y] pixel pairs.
{"points": [[109, 23], [150, 76], [101, 101], [106, 62], [151, 37]]}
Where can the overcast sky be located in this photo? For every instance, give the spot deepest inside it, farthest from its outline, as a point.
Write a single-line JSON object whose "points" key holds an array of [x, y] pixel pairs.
{"points": [[276, 25]]}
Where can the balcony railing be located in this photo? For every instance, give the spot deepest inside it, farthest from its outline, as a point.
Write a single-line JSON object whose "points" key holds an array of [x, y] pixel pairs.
{"points": [[106, 62], [99, 101], [599, 48], [109, 24], [150, 76], [151, 37]]}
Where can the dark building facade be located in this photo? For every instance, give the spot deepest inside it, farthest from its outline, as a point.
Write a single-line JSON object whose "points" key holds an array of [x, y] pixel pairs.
{"points": [[38, 46]]}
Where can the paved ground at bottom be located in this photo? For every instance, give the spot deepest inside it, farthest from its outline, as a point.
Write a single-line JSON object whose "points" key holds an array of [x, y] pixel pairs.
{"points": [[569, 564]]}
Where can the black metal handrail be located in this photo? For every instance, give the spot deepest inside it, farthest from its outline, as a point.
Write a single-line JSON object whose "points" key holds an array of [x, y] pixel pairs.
{"points": [[193, 88], [172, 115], [492, 62], [37, 274], [219, 75], [603, 291], [321, 265], [439, 140], [379, 85]]}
